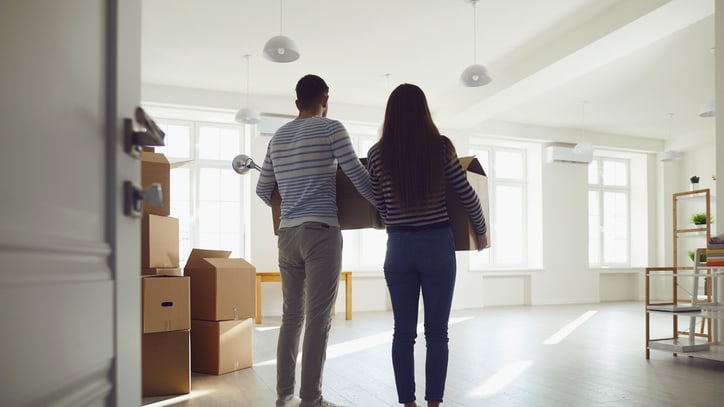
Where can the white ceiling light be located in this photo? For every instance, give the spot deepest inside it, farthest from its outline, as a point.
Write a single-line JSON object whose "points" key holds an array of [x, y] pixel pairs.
{"points": [[708, 109], [281, 48], [247, 115], [475, 74]]}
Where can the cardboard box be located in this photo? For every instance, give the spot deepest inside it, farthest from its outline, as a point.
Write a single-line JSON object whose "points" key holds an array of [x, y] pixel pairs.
{"points": [[159, 242], [353, 211], [221, 288], [162, 271], [166, 304], [219, 347], [459, 220], [166, 363], [155, 168]]}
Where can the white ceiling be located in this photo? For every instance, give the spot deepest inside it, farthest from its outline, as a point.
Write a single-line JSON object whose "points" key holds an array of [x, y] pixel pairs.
{"points": [[607, 66]]}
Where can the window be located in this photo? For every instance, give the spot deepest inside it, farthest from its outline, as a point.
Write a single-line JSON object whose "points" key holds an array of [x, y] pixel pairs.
{"points": [[507, 185], [364, 249], [608, 212], [206, 196]]}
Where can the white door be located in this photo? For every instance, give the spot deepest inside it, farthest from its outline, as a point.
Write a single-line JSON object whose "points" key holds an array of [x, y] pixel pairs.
{"points": [[69, 259]]}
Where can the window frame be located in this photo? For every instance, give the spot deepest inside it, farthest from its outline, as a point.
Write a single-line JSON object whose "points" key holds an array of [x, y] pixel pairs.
{"points": [[194, 164], [602, 189], [494, 181]]}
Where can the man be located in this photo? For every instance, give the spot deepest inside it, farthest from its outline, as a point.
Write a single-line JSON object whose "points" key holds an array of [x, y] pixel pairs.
{"points": [[302, 159]]}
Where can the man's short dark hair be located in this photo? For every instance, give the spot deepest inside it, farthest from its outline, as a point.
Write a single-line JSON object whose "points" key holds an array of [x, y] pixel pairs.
{"points": [[311, 89]]}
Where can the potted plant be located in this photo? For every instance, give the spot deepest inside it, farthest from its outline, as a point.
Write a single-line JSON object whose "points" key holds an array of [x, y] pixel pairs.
{"points": [[700, 219], [702, 257], [694, 183]]}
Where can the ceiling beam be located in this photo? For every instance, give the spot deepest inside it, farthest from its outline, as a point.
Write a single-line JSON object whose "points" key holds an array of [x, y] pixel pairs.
{"points": [[551, 60]]}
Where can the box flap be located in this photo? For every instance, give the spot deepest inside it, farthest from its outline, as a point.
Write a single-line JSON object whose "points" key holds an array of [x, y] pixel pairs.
{"points": [[472, 164], [179, 163], [197, 256], [221, 263], [151, 157]]}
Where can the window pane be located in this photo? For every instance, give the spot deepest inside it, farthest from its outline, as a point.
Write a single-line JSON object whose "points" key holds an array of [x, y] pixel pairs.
{"points": [[594, 227], [593, 172], [365, 144], [209, 141], [177, 140], [209, 217], [509, 212], [180, 183], [229, 144], [350, 248], [218, 143], [209, 184], [615, 235], [230, 184], [373, 247], [614, 173], [480, 259], [230, 217], [484, 158], [509, 165]]}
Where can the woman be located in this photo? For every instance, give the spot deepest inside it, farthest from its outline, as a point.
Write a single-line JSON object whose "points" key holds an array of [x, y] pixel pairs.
{"points": [[409, 169]]}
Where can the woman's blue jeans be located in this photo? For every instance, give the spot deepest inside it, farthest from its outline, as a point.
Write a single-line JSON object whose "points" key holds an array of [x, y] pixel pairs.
{"points": [[420, 261]]}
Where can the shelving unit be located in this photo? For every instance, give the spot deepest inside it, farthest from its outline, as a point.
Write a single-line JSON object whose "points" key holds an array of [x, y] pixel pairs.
{"points": [[684, 300]]}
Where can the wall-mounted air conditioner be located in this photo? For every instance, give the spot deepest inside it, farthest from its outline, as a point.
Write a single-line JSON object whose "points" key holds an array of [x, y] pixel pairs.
{"points": [[581, 153]]}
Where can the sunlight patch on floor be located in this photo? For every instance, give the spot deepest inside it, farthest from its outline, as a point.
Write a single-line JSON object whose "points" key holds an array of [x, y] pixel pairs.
{"points": [[366, 342], [175, 400], [500, 380], [267, 328], [566, 330]]}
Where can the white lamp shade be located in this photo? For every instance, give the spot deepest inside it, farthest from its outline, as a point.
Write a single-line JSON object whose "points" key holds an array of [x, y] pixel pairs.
{"points": [[281, 49], [708, 109], [475, 75], [247, 116]]}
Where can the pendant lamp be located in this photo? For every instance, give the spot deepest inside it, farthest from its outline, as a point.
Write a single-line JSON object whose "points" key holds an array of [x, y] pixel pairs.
{"points": [[475, 74], [247, 115], [281, 48]]}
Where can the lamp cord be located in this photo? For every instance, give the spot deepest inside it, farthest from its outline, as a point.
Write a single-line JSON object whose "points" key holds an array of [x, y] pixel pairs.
{"points": [[247, 78], [281, 11], [475, 32]]}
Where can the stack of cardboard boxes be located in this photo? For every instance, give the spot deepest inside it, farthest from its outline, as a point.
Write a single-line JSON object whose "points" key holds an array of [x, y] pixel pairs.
{"points": [[222, 311], [165, 292]]}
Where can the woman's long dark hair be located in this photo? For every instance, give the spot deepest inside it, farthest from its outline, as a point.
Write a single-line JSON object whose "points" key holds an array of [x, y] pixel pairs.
{"points": [[412, 149]]}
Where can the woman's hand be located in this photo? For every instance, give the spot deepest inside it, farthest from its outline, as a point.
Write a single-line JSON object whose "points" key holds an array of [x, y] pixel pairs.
{"points": [[481, 242]]}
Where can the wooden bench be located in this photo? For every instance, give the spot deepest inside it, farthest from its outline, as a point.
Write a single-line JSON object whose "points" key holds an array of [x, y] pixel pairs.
{"points": [[274, 276]]}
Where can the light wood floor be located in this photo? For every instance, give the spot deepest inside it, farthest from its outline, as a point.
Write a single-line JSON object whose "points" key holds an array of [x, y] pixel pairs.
{"points": [[499, 356]]}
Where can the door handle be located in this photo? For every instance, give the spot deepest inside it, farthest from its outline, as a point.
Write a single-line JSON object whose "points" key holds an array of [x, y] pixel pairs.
{"points": [[134, 138], [133, 196]]}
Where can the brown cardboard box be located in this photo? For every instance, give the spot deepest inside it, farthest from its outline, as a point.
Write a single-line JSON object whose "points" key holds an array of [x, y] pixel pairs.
{"points": [[159, 242], [221, 288], [166, 304], [219, 347], [166, 367], [162, 271], [459, 220], [353, 211], [156, 168]]}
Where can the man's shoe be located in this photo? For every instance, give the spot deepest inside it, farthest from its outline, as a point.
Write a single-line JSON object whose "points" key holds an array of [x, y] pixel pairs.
{"points": [[326, 403], [288, 401]]}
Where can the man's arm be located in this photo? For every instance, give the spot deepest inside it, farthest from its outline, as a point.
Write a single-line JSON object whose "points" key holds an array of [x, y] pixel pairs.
{"points": [[350, 164], [267, 180]]}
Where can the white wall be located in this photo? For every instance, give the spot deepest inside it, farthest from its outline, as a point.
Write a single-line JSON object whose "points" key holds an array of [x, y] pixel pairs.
{"points": [[557, 215]]}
